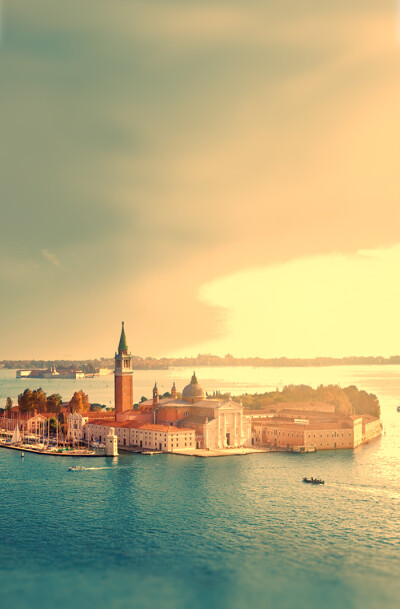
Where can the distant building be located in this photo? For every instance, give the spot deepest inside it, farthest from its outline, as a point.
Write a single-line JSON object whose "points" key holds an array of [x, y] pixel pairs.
{"points": [[319, 431], [49, 373]]}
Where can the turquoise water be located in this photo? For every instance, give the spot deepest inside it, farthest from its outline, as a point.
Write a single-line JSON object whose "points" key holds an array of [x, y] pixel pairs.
{"points": [[174, 532]]}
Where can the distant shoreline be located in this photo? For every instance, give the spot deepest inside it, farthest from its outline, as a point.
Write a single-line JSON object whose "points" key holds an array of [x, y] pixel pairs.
{"points": [[208, 361]]}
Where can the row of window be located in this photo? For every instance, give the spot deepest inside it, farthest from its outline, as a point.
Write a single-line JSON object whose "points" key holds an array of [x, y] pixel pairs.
{"points": [[334, 434]]}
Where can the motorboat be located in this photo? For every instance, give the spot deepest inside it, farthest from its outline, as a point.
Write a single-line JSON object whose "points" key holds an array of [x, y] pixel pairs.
{"points": [[76, 468], [313, 480]]}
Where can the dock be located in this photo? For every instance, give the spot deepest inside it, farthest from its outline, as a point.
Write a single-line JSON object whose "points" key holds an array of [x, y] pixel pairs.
{"points": [[76, 453]]}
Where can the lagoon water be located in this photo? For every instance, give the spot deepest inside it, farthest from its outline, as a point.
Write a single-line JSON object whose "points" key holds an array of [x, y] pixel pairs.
{"points": [[175, 532]]}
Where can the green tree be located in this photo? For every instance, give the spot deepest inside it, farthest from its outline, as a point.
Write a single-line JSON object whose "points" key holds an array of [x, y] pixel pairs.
{"points": [[40, 400], [9, 404], [96, 408], [26, 401], [333, 394], [363, 402], [54, 403], [54, 424], [80, 403]]}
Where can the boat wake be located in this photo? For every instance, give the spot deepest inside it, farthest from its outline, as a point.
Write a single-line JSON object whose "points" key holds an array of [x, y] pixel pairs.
{"points": [[369, 490]]}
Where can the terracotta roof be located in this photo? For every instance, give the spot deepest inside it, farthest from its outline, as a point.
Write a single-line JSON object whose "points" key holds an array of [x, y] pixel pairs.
{"points": [[100, 414], [276, 421], [160, 402], [165, 428], [341, 424], [171, 402], [130, 424], [140, 425], [104, 422]]}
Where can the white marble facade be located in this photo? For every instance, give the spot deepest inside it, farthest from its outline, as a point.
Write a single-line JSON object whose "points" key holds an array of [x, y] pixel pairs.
{"points": [[229, 428]]}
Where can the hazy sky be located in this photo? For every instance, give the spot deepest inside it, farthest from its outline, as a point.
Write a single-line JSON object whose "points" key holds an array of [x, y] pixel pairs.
{"points": [[222, 175]]}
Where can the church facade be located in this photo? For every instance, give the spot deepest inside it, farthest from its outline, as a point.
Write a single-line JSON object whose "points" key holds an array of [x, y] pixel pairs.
{"points": [[219, 424]]}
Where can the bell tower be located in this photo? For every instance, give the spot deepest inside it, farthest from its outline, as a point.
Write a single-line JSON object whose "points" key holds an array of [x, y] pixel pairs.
{"points": [[123, 377], [155, 394], [173, 391]]}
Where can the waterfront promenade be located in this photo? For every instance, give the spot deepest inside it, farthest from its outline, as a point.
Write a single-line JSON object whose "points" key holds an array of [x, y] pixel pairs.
{"points": [[51, 453]]}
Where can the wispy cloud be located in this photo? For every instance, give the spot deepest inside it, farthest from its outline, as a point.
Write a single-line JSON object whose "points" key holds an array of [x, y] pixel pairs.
{"points": [[52, 258]]}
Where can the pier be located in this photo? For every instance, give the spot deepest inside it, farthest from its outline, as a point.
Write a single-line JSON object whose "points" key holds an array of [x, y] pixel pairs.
{"points": [[51, 453]]}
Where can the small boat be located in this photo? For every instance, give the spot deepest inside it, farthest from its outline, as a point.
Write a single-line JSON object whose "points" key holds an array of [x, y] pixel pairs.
{"points": [[76, 468], [313, 480], [304, 449], [22, 455]]}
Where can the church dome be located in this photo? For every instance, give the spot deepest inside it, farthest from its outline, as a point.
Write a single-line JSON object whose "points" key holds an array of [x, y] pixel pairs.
{"points": [[193, 392]]}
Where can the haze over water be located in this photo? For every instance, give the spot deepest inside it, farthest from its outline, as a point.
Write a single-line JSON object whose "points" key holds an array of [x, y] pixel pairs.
{"points": [[170, 531]]}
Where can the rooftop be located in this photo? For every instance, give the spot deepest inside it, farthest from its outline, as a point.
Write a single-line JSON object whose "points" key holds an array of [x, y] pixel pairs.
{"points": [[139, 425]]}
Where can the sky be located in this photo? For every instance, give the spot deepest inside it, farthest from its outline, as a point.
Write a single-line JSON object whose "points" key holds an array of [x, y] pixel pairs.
{"points": [[222, 175]]}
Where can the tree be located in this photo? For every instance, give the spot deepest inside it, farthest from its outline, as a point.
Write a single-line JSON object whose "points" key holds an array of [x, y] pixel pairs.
{"points": [[80, 403], [26, 401], [9, 404], [54, 424], [363, 402], [333, 394], [54, 403], [39, 400], [96, 408]]}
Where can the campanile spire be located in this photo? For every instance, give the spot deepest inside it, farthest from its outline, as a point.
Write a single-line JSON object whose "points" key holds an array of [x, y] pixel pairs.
{"points": [[123, 345]]}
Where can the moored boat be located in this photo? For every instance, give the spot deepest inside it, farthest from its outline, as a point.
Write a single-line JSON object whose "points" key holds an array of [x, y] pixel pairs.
{"points": [[304, 449]]}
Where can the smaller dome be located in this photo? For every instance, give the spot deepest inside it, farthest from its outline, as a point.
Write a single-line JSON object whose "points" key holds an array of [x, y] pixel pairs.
{"points": [[193, 392]]}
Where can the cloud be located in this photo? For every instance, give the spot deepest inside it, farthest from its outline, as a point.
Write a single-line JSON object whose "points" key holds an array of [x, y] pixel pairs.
{"points": [[341, 305], [156, 146], [52, 258]]}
